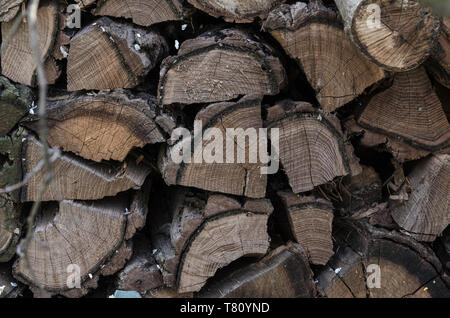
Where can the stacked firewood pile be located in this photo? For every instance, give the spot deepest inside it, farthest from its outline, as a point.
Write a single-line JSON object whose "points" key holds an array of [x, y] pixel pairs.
{"points": [[353, 201]]}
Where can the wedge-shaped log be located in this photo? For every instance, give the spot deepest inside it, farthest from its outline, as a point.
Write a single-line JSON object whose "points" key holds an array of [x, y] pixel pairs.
{"points": [[310, 221], [15, 102], [220, 66], [108, 55], [71, 239], [106, 125], [312, 35], [396, 35], [376, 263], [283, 273], [426, 213], [237, 176], [76, 178], [409, 115], [142, 12], [236, 10], [312, 148], [10, 207], [17, 59], [185, 251]]}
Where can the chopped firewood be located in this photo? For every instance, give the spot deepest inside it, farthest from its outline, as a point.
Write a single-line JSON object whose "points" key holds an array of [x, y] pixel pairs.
{"points": [[312, 35], [108, 55], [142, 12], [283, 273], [312, 150], [396, 35], [220, 66]]}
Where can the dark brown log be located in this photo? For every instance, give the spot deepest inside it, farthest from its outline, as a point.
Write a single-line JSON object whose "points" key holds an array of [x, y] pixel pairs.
{"points": [[9, 9], [439, 63], [408, 118], [397, 36], [220, 66], [106, 125], [235, 178], [142, 12], [238, 11], [313, 149], [310, 221], [17, 59], [312, 35], [15, 102], [426, 213], [184, 249], [407, 268], [141, 273], [283, 273], [108, 55], [10, 207], [78, 179]]}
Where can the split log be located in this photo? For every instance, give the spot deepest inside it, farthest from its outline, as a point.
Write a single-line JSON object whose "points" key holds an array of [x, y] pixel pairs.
{"points": [[142, 12], [397, 36], [312, 35], [108, 55], [87, 234], [238, 11], [106, 125], [220, 66], [426, 213], [141, 273], [310, 221], [439, 63], [313, 149], [10, 207], [9, 9], [17, 59], [78, 179], [408, 115], [283, 273], [184, 249], [15, 102], [232, 177], [406, 267]]}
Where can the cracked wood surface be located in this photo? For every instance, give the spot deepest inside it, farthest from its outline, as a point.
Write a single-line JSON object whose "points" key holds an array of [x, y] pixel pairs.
{"points": [[233, 178], [142, 12], [407, 268], [396, 35], [79, 179], [108, 55], [335, 68], [313, 149], [220, 66]]}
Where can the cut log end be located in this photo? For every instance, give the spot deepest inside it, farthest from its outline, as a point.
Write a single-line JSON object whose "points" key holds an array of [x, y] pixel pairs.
{"points": [[394, 35], [220, 66], [312, 35]]}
